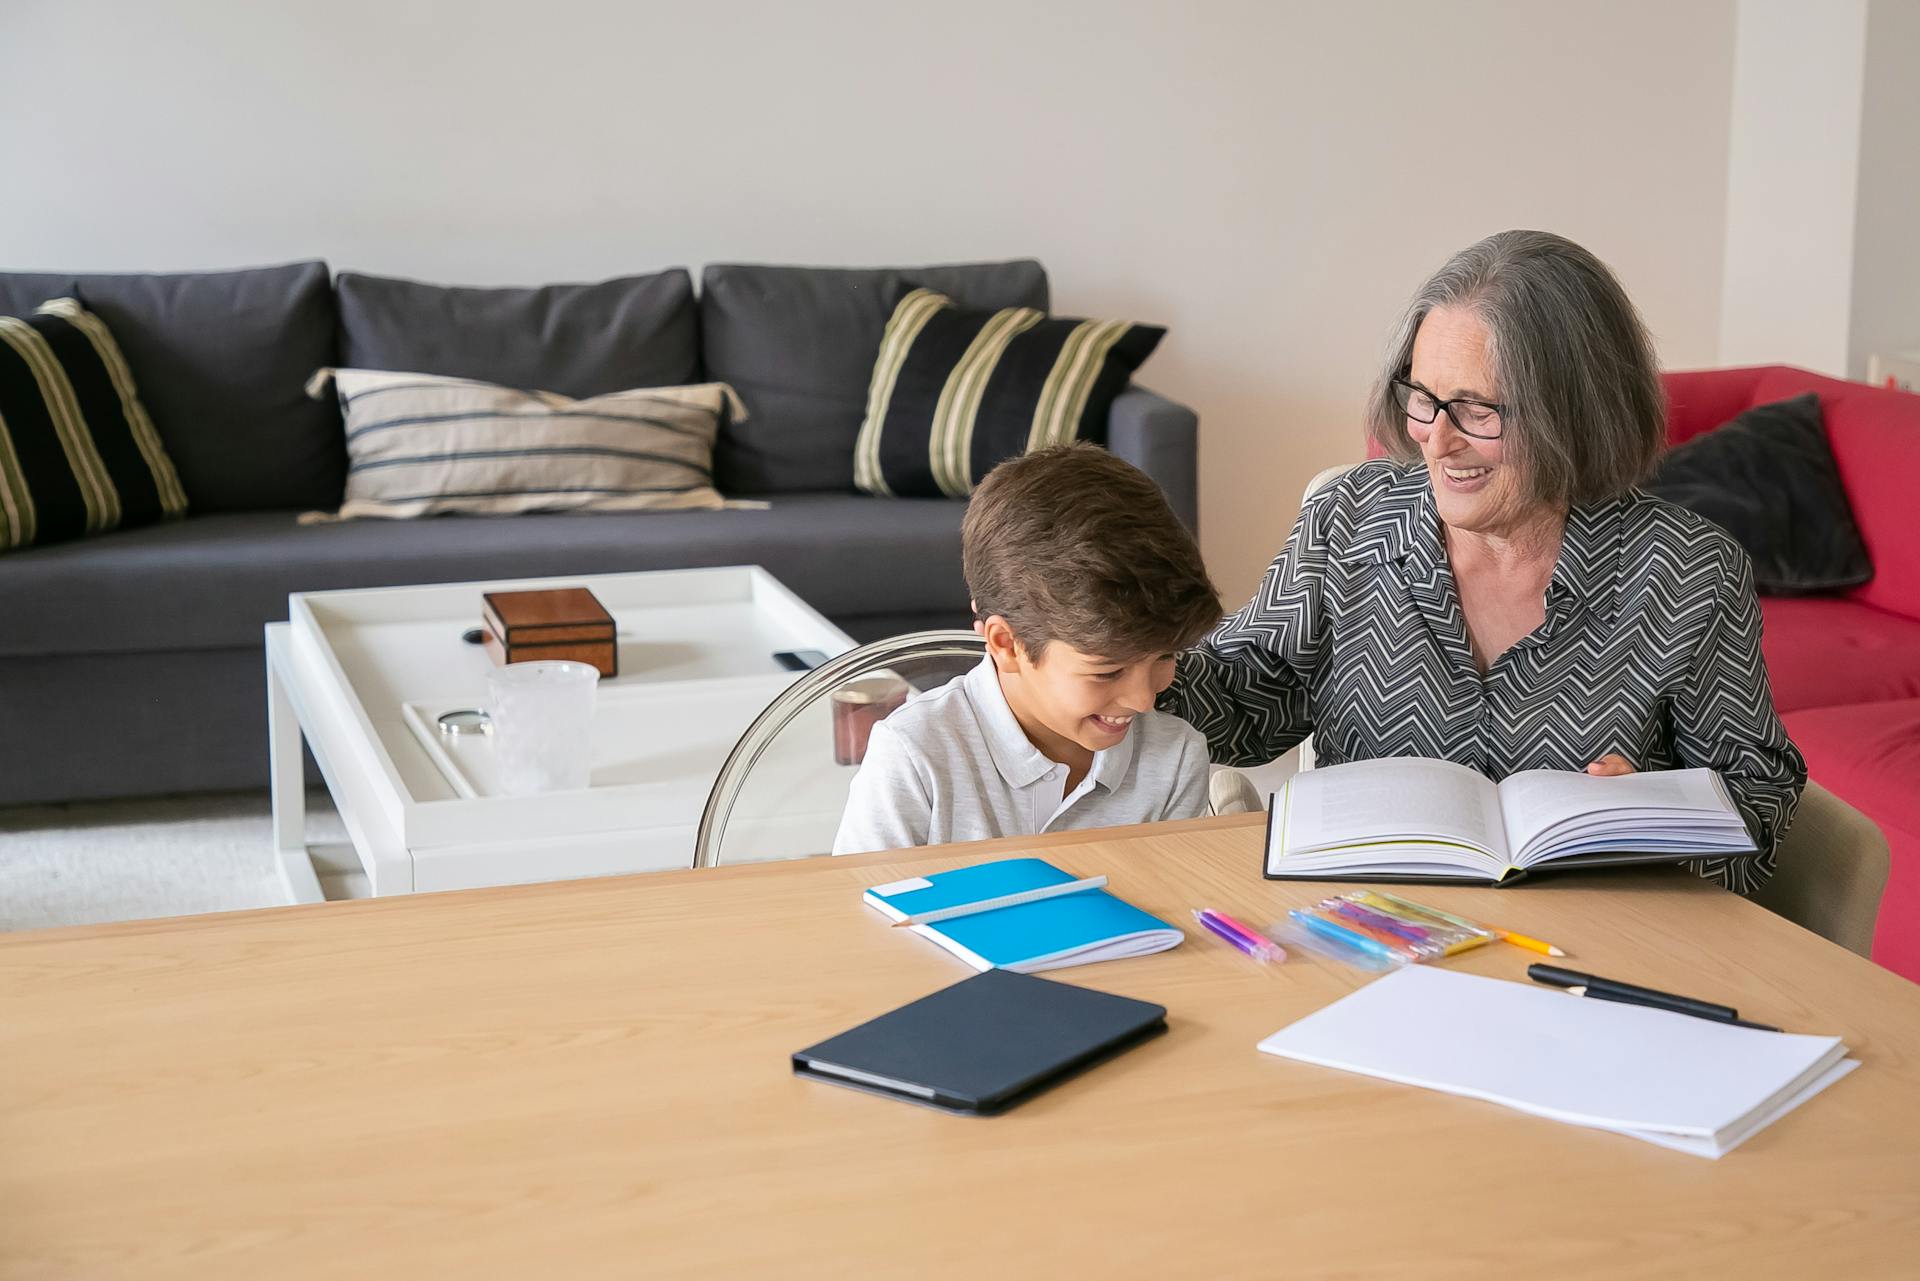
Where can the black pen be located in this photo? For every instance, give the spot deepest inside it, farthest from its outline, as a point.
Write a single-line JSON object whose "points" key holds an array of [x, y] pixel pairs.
{"points": [[1604, 989]]}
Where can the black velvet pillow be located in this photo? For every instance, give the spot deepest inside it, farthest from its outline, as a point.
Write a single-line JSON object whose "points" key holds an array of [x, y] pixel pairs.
{"points": [[1769, 479]]}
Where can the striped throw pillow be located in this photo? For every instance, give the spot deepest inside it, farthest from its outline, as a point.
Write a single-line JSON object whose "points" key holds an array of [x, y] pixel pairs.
{"points": [[423, 445], [955, 391], [78, 454]]}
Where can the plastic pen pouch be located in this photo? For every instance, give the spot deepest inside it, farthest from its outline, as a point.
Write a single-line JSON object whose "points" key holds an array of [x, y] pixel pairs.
{"points": [[1450, 933], [1360, 930]]}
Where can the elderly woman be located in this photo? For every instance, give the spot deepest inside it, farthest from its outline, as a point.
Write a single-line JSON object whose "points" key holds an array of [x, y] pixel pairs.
{"points": [[1498, 593]]}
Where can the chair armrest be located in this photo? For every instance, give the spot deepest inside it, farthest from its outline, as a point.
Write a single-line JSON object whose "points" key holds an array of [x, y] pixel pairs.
{"points": [[1161, 438]]}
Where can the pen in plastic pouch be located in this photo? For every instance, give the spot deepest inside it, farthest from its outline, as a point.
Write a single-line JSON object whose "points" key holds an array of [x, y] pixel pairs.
{"points": [[1471, 935], [1379, 921], [1349, 938], [1329, 912], [1397, 910], [1511, 936], [1433, 943], [1254, 945]]}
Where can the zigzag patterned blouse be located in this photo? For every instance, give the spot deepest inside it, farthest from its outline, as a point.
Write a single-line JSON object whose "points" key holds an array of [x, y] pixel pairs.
{"points": [[1650, 648]]}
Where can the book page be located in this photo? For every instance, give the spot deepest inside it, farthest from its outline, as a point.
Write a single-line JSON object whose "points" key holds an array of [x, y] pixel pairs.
{"points": [[1630, 806], [1392, 799]]}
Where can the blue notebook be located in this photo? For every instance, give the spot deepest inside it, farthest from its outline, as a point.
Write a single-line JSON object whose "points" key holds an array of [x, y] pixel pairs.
{"points": [[1074, 929]]}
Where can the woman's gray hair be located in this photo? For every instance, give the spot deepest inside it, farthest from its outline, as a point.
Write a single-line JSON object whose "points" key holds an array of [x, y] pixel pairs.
{"points": [[1574, 368]]}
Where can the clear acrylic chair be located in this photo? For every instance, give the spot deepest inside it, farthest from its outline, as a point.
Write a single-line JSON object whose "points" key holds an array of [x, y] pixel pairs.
{"points": [[781, 790]]}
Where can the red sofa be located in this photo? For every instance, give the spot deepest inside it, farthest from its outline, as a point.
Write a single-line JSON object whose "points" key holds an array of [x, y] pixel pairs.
{"points": [[1846, 669]]}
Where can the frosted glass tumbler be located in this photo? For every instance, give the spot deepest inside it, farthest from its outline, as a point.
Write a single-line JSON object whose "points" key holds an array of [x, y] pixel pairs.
{"points": [[857, 707], [542, 725]]}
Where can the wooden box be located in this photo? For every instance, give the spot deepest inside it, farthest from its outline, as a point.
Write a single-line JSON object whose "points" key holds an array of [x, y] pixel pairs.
{"points": [[563, 623]]}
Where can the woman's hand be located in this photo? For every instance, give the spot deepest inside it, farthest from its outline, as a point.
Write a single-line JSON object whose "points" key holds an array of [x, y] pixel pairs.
{"points": [[1612, 765]]}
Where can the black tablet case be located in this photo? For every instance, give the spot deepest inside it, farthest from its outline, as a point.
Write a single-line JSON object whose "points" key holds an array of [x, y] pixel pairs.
{"points": [[985, 1043]]}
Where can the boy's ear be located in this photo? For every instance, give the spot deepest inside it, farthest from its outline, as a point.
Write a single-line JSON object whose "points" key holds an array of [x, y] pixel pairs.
{"points": [[1002, 644]]}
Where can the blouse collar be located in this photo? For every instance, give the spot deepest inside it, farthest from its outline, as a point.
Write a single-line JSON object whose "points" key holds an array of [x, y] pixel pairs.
{"points": [[1403, 525]]}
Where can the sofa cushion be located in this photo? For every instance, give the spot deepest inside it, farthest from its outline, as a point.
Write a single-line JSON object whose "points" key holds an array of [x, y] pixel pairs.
{"points": [[212, 581], [78, 454], [1823, 653], [798, 344], [1875, 435], [221, 359], [1699, 400], [578, 340], [1769, 479], [955, 392], [1868, 754], [422, 445]]}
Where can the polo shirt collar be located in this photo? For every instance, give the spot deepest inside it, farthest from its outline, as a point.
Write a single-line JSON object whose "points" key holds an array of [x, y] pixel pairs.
{"points": [[1110, 765], [1014, 755], [1020, 763]]}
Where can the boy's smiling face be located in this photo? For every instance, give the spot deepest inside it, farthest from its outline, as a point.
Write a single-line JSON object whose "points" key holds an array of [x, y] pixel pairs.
{"points": [[1071, 703]]}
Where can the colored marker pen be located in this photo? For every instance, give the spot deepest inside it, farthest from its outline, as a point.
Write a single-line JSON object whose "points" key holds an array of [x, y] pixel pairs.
{"points": [[1240, 936], [1352, 938]]}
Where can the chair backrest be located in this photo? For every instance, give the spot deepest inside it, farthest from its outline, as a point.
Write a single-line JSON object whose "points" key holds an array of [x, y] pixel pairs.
{"points": [[795, 739], [1832, 870]]}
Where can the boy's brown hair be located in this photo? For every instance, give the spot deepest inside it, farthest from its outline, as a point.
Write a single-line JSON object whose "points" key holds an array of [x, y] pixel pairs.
{"points": [[1072, 544]]}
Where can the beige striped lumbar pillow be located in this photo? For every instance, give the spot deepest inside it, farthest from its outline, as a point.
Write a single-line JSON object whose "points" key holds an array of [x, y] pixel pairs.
{"points": [[955, 391], [423, 445]]}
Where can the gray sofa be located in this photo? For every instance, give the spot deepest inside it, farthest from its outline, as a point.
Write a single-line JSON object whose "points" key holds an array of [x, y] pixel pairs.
{"points": [[131, 664]]}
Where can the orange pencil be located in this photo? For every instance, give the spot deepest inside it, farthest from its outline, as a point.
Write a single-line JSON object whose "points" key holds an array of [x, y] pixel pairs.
{"points": [[1531, 944]]}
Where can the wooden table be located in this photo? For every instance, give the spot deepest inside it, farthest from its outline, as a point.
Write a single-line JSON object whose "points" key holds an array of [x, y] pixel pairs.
{"points": [[591, 1079]]}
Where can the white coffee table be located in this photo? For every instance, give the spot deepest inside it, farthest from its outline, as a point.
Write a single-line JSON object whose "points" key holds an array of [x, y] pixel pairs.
{"points": [[361, 675]]}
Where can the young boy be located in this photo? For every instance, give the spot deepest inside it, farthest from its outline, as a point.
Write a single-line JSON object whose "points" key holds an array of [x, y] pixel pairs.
{"points": [[1085, 585]]}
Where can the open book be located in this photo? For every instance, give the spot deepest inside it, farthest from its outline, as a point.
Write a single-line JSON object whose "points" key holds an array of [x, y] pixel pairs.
{"points": [[1411, 818]]}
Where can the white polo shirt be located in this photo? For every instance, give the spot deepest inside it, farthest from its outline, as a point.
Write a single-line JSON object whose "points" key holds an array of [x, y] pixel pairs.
{"points": [[953, 764]]}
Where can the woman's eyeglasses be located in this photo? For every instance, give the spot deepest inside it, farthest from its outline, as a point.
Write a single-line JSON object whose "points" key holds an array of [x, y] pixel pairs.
{"points": [[1476, 418]]}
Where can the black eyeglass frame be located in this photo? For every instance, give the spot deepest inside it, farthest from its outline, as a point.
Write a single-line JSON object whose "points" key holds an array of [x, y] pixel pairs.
{"points": [[1446, 407]]}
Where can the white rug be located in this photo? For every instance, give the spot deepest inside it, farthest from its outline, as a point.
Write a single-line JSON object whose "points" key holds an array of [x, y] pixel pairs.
{"points": [[94, 861]]}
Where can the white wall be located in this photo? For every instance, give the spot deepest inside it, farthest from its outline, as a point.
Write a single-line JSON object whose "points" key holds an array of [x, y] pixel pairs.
{"points": [[1886, 241], [1823, 185], [1792, 182], [1269, 180]]}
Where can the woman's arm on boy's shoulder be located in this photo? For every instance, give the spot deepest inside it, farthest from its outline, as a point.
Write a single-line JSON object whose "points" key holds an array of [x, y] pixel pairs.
{"points": [[1246, 687], [888, 805]]}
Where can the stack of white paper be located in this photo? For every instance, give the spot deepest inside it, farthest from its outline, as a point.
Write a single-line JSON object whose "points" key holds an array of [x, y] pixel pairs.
{"points": [[1687, 1083]]}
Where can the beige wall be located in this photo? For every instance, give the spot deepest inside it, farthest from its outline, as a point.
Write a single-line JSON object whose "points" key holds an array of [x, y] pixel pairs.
{"points": [[1823, 185], [1792, 179], [1269, 180], [1886, 246]]}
